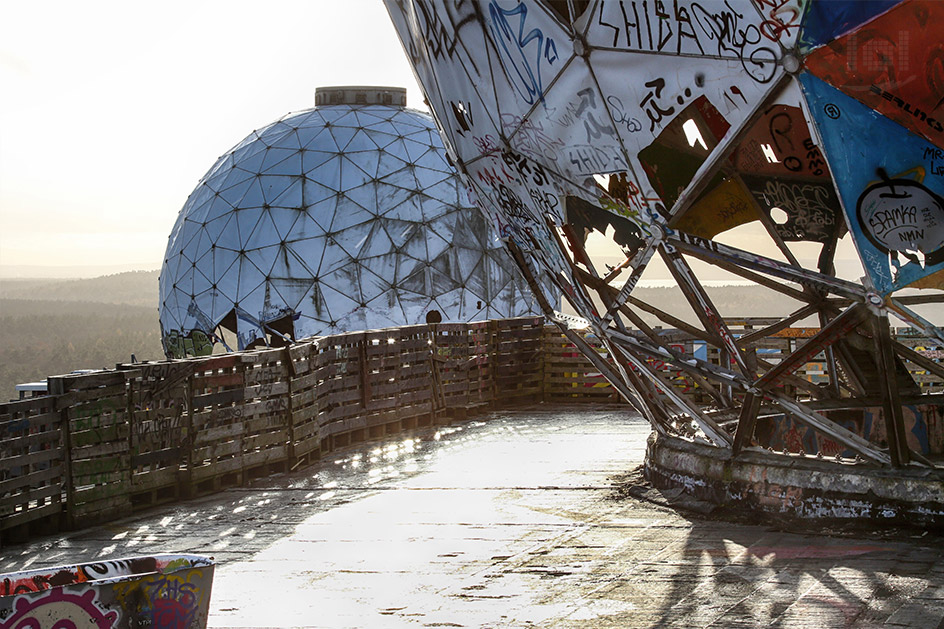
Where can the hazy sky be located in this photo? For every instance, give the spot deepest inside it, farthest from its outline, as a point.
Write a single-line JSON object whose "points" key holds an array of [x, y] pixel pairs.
{"points": [[113, 111]]}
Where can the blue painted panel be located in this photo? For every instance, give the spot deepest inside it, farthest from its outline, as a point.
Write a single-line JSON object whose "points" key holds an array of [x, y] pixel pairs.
{"points": [[892, 186], [826, 20]]}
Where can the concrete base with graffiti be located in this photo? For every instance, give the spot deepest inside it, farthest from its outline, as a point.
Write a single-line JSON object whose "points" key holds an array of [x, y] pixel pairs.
{"points": [[923, 423], [798, 488], [147, 591]]}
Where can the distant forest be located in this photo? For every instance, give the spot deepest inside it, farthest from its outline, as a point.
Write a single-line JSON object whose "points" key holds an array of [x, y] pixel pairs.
{"points": [[50, 327]]}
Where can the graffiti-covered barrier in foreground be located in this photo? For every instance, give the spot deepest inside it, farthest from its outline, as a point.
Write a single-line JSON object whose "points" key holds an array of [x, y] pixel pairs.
{"points": [[104, 444], [147, 591]]}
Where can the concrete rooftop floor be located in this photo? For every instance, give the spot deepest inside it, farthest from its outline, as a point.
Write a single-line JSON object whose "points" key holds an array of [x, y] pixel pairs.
{"points": [[510, 520]]}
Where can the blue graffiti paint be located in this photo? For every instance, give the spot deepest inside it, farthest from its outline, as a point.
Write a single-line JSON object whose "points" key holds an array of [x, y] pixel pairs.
{"points": [[524, 53]]}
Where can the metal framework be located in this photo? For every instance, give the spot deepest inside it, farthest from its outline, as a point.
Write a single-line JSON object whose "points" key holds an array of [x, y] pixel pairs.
{"points": [[670, 127]]}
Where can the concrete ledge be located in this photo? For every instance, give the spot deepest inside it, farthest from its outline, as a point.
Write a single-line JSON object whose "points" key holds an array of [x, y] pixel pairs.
{"points": [[797, 488]]}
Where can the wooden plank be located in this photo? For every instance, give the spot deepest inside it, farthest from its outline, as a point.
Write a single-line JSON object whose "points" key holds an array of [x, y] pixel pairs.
{"points": [[97, 509], [77, 382], [272, 375], [149, 480], [164, 457], [27, 423], [222, 397], [216, 434], [38, 494], [28, 477], [114, 492], [30, 441], [213, 381], [24, 517], [29, 406]]}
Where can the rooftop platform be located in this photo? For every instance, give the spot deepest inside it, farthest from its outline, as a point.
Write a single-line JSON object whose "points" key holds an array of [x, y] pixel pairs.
{"points": [[518, 518]]}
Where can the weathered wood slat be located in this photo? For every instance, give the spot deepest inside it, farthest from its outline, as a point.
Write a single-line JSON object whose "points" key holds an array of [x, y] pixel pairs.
{"points": [[31, 480], [36, 494], [218, 467], [97, 506], [115, 491], [149, 480], [32, 514], [30, 440]]}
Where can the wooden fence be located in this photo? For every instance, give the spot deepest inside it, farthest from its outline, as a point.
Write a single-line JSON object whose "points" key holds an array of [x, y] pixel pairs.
{"points": [[105, 444]]}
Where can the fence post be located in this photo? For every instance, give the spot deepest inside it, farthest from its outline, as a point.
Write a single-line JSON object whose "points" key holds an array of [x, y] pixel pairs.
{"points": [[186, 445], [290, 417], [56, 386], [542, 361], [366, 395], [129, 413], [67, 462], [437, 397]]}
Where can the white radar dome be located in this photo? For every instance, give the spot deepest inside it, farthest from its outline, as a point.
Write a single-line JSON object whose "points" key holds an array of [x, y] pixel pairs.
{"points": [[343, 217]]}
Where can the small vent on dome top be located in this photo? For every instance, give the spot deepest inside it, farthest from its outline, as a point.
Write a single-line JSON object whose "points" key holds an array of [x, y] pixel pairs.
{"points": [[360, 95]]}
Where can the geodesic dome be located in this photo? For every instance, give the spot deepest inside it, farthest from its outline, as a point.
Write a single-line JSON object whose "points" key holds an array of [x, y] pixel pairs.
{"points": [[343, 217]]}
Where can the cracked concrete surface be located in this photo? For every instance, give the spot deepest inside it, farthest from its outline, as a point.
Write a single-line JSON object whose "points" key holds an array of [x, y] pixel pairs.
{"points": [[511, 520]]}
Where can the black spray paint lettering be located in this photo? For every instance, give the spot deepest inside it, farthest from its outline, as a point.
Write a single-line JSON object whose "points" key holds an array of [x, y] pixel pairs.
{"points": [[525, 167], [529, 137], [891, 219], [440, 37], [690, 27], [931, 154], [646, 25], [731, 36], [593, 128], [620, 116], [908, 108], [807, 204], [902, 216], [816, 161], [589, 159], [650, 103]]}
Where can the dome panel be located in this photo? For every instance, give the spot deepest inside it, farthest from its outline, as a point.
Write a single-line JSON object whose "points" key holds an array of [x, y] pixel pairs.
{"points": [[364, 196], [264, 259], [221, 260], [352, 175], [233, 194], [391, 164], [254, 196], [248, 280], [280, 187], [315, 192], [377, 243], [349, 213], [291, 290], [264, 234], [277, 134], [246, 220], [282, 161]]}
